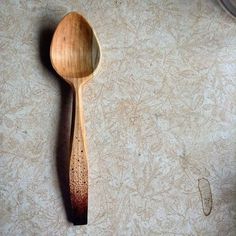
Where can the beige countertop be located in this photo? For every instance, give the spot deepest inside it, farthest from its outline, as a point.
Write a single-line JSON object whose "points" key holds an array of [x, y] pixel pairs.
{"points": [[160, 115]]}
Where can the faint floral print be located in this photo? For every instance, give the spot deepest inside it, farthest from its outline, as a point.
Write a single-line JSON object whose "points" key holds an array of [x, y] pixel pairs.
{"points": [[160, 115]]}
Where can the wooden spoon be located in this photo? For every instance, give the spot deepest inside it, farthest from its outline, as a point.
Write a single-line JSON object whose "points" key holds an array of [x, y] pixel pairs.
{"points": [[75, 54]]}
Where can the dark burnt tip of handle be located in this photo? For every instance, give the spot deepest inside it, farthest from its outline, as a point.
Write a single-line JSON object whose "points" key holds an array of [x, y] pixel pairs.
{"points": [[80, 221], [80, 216]]}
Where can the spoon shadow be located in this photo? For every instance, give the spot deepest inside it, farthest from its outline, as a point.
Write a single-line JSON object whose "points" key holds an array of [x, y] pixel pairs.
{"points": [[63, 144]]}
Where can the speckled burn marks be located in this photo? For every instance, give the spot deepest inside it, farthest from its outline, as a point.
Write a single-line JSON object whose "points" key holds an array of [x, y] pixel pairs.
{"points": [[206, 195], [79, 179]]}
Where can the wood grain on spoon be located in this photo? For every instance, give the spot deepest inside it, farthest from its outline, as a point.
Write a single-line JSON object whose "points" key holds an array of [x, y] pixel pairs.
{"points": [[75, 54]]}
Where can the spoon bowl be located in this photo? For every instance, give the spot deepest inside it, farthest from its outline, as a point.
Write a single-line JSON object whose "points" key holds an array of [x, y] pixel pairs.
{"points": [[74, 52], [75, 56]]}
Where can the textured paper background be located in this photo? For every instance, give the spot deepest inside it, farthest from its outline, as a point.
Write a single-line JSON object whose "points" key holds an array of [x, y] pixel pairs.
{"points": [[160, 115]]}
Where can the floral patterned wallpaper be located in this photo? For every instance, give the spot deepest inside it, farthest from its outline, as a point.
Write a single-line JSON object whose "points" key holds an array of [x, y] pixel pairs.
{"points": [[160, 117]]}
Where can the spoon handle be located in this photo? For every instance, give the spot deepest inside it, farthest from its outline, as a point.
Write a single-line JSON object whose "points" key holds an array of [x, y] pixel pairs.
{"points": [[78, 173]]}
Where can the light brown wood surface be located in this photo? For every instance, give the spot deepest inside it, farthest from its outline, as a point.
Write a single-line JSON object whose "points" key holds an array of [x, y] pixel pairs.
{"points": [[75, 55]]}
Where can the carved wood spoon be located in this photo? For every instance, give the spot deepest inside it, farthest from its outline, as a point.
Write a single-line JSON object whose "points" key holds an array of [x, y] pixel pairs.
{"points": [[75, 55]]}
